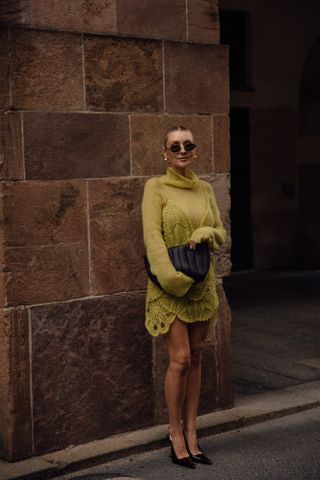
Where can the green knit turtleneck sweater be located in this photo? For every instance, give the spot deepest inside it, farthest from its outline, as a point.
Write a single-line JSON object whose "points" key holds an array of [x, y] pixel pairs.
{"points": [[175, 210]]}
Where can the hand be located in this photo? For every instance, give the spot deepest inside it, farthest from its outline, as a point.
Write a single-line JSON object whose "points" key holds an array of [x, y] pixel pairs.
{"points": [[192, 245]]}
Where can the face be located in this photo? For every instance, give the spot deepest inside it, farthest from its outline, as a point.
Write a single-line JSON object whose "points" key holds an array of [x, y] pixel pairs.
{"points": [[179, 160]]}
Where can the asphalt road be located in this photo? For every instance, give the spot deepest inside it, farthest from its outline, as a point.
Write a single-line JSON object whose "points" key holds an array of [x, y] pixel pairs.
{"points": [[287, 448]]}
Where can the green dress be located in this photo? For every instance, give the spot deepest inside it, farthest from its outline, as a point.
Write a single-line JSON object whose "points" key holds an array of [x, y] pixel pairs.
{"points": [[175, 210]]}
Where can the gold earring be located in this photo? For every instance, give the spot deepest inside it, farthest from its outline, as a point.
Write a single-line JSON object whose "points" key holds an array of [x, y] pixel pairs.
{"points": [[194, 156]]}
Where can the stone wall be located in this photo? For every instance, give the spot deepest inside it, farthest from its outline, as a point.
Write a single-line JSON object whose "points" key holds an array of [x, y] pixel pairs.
{"points": [[86, 89]]}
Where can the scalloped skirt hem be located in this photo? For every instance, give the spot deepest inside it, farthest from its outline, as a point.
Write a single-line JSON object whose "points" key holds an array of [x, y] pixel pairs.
{"points": [[165, 326]]}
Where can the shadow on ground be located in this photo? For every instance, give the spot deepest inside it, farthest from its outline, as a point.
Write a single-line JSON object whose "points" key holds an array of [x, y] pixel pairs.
{"points": [[275, 329]]}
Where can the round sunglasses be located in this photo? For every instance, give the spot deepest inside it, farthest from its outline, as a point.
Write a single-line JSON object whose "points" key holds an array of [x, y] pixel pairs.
{"points": [[176, 148]]}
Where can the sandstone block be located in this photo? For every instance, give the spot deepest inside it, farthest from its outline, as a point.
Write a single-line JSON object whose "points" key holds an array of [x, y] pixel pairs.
{"points": [[221, 186], [147, 132], [45, 230], [15, 401], [224, 355], [123, 75], [97, 16], [223, 264], [92, 370], [11, 164], [15, 12], [75, 145], [209, 376], [46, 70], [196, 78], [221, 144], [152, 18], [4, 69], [44, 213], [203, 21], [39, 274], [116, 235]]}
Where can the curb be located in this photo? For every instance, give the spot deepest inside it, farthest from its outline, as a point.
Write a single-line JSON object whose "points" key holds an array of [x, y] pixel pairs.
{"points": [[248, 410]]}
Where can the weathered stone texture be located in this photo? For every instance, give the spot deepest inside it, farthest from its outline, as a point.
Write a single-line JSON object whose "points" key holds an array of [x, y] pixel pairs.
{"points": [[116, 235], [123, 75], [46, 70], [75, 145], [45, 231], [221, 144], [147, 132], [160, 363], [223, 349], [4, 69], [203, 21], [196, 78], [97, 16], [11, 156], [152, 18], [221, 187], [100, 382], [208, 396], [15, 402], [15, 12]]}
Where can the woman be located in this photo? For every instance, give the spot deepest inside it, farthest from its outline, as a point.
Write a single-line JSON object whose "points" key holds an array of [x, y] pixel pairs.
{"points": [[178, 208]]}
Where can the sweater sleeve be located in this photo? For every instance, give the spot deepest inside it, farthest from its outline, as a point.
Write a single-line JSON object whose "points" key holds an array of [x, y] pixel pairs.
{"points": [[215, 235], [173, 282]]}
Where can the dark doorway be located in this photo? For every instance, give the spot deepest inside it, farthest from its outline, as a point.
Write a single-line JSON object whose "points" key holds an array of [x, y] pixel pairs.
{"points": [[241, 231]]}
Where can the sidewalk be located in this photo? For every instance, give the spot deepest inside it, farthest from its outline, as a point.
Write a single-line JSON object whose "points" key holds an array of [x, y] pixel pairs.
{"points": [[248, 410]]}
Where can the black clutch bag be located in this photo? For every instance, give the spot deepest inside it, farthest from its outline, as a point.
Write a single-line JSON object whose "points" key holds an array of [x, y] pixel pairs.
{"points": [[193, 263]]}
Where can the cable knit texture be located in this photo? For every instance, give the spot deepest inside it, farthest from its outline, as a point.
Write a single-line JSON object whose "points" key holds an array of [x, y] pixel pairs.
{"points": [[175, 210]]}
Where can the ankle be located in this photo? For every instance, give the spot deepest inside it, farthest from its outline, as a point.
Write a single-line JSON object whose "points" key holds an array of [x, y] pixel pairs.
{"points": [[190, 431]]}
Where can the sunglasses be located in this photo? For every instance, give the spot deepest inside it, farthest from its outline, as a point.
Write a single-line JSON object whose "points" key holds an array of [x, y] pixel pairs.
{"points": [[176, 148]]}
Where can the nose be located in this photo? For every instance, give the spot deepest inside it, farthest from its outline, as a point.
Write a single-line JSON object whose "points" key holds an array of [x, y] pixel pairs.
{"points": [[182, 149]]}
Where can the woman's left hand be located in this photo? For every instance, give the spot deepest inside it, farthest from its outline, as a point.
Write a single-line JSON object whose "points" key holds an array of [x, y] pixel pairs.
{"points": [[192, 245]]}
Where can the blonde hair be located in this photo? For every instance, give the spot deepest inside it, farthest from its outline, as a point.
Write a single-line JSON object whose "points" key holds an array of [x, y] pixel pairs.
{"points": [[174, 129]]}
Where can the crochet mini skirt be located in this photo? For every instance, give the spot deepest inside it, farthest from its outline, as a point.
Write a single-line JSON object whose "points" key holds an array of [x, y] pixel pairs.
{"points": [[200, 303]]}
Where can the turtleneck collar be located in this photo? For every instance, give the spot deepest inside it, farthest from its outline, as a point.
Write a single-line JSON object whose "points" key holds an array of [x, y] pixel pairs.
{"points": [[173, 178]]}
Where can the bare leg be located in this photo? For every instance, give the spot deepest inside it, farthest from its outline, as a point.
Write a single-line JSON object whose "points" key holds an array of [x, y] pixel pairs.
{"points": [[197, 334], [177, 340]]}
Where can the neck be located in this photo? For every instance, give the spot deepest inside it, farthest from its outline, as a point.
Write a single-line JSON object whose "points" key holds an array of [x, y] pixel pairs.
{"points": [[180, 171]]}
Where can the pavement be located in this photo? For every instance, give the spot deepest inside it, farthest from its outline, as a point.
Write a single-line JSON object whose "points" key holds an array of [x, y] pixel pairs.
{"points": [[285, 448], [276, 349]]}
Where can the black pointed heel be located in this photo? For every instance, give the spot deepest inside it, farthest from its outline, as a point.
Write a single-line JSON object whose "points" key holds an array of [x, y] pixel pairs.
{"points": [[183, 462], [200, 457]]}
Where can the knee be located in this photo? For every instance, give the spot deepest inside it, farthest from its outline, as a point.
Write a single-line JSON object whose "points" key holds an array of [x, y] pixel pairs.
{"points": [[180, 363], [196, 355]]}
